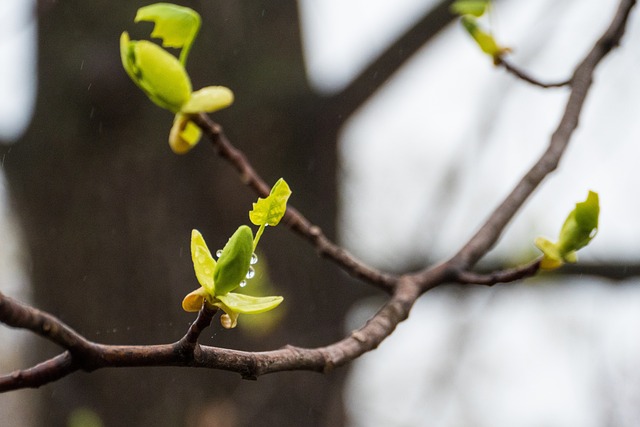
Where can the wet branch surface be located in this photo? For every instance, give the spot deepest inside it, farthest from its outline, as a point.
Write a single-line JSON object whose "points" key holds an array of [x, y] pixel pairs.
{"points": [[82, 354]]}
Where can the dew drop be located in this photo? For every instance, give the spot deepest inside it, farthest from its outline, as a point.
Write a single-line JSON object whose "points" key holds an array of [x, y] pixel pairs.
{"points": [[243, 283], [251, 273], [254, 258], [219, 253]]}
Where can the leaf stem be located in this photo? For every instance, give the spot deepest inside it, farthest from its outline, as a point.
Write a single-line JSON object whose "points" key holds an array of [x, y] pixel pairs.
{"points": [[258, 235]]}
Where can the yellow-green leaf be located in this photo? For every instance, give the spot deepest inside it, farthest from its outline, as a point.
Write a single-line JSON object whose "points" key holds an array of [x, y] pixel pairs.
{"points": [[470, 7], [485, 40], [203, 262], [234, 261], [176, 26], [158, 73], [270, 211], [246, 304], [552, 258], [581, 225], [208, 100], [578, 230]]}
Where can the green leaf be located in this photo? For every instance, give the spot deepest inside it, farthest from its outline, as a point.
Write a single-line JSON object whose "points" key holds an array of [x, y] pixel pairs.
{"points": [[127, 56], [209, 99], [581, 225], [158, 73], [476, 8], [270, 211], [578, 230], [246, 304], [203, 263], [485, 40], [234, 261], [176, 26]]}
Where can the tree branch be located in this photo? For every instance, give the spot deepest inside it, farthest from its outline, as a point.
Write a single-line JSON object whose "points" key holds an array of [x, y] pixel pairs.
{"points": [[250, 365], [582, 79], [39, 375], [82, 354], [386, 64]]}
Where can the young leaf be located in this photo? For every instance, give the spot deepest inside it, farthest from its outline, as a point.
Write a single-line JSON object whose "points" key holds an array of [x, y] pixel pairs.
{"points": [[476, 8], [246, 304], [485, 40], [176, 26], [578, 230], [581, 225], [209, 99], [203, 262], [552, 258], [270, 211], [234, 261], [156, 72]]}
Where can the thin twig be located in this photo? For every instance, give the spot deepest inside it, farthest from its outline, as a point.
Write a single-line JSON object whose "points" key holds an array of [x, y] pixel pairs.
{"points": [[18, 315], [43, 373], [522, 75], [190, 339]]}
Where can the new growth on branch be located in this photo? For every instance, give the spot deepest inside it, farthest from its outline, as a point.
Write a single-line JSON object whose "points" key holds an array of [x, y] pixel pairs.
{"points": [[163, 78]]}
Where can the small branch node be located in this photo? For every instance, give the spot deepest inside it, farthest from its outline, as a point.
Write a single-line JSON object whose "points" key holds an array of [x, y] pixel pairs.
{"points": [[315, 231], [359, 336]]}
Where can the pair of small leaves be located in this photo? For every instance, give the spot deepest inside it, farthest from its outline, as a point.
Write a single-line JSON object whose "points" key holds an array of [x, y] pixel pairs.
{"points": [[163, 77], [219, 279], [578, 230]]}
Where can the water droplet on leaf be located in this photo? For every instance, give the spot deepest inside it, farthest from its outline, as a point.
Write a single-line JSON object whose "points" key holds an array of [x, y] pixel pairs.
{"points": [[243, 283], [254, 258], [219, 253], [251, 273]]}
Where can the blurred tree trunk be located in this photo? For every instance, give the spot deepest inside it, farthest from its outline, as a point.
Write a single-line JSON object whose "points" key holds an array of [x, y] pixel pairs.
{"points": [[107, 210]]}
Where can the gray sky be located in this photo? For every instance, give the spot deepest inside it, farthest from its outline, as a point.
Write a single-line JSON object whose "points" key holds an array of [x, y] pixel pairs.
{"points": [[17, 73]]}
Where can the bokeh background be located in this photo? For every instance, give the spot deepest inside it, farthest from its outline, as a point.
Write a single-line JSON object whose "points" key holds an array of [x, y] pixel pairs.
{"points": [[397, 136]]}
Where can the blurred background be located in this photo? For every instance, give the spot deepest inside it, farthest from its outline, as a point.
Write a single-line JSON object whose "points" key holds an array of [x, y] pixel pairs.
{"points": [[389, 118]]}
